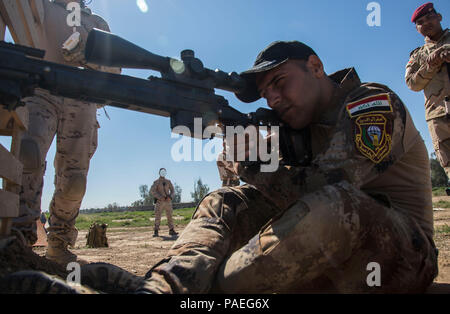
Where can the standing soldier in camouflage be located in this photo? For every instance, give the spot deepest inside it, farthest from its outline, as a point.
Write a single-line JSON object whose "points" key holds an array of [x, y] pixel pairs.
{"points": [[428, 70], [163, 192], [226, 171], [75, 124]]}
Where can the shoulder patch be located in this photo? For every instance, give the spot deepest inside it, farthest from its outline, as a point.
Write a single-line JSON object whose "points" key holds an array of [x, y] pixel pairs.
{"points": [[377, 103], [373, 136]]}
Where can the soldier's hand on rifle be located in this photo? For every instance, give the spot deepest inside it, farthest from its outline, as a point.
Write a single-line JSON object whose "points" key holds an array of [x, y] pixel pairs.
{"points": [[244, 147], [435, 59]]}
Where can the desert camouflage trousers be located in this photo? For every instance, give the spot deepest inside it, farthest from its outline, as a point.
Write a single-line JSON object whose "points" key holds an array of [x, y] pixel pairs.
{"points": [[161, 206], [238, 242], [440, 135], [75, 124]]}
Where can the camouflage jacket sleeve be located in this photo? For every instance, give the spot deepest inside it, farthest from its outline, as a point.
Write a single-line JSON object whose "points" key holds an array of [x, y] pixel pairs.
{"points": [[350, 155], [154, 191], [418, 74]]}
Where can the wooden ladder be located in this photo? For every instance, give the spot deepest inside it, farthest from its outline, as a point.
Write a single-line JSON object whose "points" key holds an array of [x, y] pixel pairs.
{"points": [[12, 123]]}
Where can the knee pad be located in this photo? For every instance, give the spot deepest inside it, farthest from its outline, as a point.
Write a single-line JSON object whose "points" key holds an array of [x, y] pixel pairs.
{"points": [[30, 155], [74, 186]]}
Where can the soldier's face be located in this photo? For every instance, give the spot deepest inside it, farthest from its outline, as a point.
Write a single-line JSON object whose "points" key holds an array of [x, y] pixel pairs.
{"points": [[292, 90], [429, 25]]}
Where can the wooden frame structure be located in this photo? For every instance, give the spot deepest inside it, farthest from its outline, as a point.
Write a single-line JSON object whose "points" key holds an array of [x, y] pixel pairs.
{"points": [[12, 123], [23, 19]]}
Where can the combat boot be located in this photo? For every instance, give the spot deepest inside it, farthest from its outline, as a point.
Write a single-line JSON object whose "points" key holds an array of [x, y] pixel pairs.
{"points": [[155, 234], [172, 232], [57, 251]]}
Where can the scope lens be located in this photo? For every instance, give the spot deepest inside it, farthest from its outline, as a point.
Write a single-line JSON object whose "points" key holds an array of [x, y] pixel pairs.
{"points": [[177, 66]]}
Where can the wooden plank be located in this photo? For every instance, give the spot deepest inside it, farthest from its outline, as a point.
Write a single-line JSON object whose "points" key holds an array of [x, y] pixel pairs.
{"points": [[30, 22], [9, 204], [13, 16], [8, 119], [10, 167], [2, 28], [21, 117], [37, 7], [6, 122]]}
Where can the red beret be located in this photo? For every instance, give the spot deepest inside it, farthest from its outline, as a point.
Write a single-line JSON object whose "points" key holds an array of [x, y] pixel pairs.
{"points": [[421, 11]]}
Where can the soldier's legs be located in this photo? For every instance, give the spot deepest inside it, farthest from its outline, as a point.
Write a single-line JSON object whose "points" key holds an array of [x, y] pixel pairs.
{"points": [[158, 211], [440, 134], [222, 223], [35, 144], [76, 144], [169, 210], [335, 232]]}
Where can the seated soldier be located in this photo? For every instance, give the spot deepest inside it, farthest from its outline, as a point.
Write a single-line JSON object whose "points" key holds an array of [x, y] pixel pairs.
{"points": [[364, 200]]}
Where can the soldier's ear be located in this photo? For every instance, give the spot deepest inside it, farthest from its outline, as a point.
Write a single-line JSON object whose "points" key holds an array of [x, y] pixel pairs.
{"points": [[439, 17], [315, 65]]}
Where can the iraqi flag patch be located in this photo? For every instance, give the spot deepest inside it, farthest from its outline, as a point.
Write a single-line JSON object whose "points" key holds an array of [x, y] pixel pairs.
{"points": [[372, 104]]}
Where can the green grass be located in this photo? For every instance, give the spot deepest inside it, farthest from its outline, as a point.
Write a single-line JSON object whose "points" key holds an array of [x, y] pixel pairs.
{"points": [[441, 204], [137, 218], [439, 191], [443, 229]]}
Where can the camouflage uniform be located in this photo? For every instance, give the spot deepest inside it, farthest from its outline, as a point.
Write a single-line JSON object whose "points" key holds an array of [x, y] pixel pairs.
{"points": [[226, 172], [75, 124], [435, 83], [161, 189], [366, 197]]}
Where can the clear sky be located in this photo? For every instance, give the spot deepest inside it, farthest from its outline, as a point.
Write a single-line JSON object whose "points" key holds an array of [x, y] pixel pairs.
{"points": [[228, 34]]}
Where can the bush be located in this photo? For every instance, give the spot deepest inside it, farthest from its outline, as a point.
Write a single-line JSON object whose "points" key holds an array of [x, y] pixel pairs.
{"points": [[200, 190], [438, 176]]}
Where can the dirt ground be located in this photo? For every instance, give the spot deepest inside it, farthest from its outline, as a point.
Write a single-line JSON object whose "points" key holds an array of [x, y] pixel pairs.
{"points": [[442, 241], [135, 250]]}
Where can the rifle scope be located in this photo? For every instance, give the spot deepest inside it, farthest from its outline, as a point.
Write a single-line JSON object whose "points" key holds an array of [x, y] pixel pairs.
{"points": [[107, 49]]}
